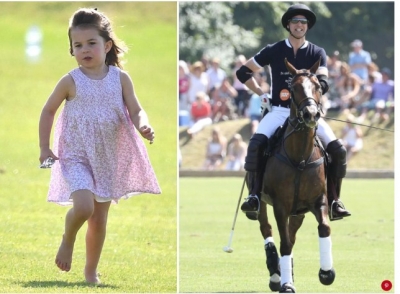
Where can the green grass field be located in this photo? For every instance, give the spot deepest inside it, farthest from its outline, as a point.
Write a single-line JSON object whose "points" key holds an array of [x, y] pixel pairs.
{"points": [[363, 244], [140, 251]]}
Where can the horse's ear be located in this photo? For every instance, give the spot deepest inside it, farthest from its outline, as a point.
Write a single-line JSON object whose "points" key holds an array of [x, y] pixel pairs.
{"points": [[315, 67], [290, 67]]}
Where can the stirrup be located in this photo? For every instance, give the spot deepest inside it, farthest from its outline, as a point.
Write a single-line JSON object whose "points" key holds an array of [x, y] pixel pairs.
{"points": [[331, 217], [252, 215]]}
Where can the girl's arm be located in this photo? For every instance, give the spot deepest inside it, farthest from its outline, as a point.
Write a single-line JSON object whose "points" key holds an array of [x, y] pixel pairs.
{"points": [[61, 91], [135, 110]]}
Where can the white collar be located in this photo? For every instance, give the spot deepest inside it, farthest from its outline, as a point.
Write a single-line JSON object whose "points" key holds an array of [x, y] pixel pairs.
{"points": [[290, 45]]}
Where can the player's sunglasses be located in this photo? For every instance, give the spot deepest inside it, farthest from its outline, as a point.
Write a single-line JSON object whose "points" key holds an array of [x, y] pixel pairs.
{"points": [[297, 20]]}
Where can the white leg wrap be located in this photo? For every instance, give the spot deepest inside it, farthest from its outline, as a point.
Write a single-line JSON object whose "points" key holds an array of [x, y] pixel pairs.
{"points": [[286, 269], [325, 253], [269, 239]]}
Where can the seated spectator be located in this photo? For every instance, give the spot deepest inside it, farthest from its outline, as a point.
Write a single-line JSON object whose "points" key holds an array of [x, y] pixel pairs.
{"points": [[222, 102], [184, 85], [333, 63], [352, 137], [215, 153], [201, 114], [373, 69], [348, 87], [382, 98], [237, 150]]}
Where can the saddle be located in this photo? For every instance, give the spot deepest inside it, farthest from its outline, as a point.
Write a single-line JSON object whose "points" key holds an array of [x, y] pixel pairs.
{"points": [[276, 140]]}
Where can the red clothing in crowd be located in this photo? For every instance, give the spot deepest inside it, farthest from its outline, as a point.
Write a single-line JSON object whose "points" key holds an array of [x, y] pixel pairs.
{"points": [[200, 109]]}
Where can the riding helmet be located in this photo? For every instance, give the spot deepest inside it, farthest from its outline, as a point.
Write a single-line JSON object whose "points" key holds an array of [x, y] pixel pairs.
{"points": [[299, 9]]}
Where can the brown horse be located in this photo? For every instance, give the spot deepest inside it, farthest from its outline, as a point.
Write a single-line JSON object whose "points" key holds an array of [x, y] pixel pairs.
{"points": [[294, 183]]}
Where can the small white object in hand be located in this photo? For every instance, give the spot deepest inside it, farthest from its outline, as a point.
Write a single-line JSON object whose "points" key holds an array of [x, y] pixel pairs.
{"points": [[47, 163]]}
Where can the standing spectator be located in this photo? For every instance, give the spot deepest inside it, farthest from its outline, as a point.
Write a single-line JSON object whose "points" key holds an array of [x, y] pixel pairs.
{"points": [[216, 75], [216, 147], [198, 81], [359, 60], [348, 87], [243, 96], [184, 85], [236, 153], [206, 62], [201, 114], [333, 65], [254, 110], [352, 137]]}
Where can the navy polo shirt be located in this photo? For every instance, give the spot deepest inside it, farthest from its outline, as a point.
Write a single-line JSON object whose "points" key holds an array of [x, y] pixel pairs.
{"points": [[274, 55]]}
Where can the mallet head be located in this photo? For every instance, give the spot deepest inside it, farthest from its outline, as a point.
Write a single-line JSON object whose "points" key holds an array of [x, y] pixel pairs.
{"points": [[228, 249]]}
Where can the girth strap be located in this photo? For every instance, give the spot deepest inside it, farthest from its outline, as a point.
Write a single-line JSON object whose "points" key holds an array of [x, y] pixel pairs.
{"points": [[299, 169]]}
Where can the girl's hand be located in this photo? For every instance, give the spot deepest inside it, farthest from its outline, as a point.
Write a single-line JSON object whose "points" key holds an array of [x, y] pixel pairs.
{"points": [[147, 132], [46, 153]]}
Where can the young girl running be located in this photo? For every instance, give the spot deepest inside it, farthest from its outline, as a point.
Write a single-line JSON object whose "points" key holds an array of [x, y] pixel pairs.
{"points": [[99, 156]]}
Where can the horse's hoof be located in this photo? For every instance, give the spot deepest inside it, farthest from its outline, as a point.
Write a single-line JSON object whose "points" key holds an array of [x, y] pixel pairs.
{"points": [[326, 277], [287, 288], [275, 282]]}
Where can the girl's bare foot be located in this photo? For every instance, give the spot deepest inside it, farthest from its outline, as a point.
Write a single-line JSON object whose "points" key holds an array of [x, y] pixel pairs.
{"points": [[92, 277], [64, 256]]}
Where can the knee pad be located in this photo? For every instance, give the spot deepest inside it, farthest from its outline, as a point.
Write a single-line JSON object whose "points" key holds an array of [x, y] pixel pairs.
{"points": [[255, 152], [338, 154]]}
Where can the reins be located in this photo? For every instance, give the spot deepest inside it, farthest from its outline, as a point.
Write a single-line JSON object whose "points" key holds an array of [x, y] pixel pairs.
{"points": [[299, 126], [372, 127]]}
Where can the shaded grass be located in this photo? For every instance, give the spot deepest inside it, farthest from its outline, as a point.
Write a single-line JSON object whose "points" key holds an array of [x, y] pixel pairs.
{"points": [[140, 249], [363, 244]]}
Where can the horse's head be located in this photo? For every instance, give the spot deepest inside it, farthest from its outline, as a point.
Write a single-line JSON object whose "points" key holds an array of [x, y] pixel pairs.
{"points": [[306, 94]]}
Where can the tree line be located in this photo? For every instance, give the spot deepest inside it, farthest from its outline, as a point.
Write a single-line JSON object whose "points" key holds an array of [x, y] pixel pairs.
{"points": [[226, 29]]}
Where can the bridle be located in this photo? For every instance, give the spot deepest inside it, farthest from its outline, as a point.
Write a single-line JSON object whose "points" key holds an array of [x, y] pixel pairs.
{"points": [[302, 115]]}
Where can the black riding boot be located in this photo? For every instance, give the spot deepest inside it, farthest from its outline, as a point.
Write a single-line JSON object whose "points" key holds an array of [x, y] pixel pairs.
{"points": [[336, 172], [255, 167], [251, 207]]}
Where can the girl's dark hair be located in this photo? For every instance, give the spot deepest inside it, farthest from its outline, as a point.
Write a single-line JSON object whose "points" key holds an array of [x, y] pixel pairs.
{"points": [[91, 18]]}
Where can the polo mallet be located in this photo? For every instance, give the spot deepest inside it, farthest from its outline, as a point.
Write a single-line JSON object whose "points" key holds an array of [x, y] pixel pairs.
{"points": [[228, 248]]}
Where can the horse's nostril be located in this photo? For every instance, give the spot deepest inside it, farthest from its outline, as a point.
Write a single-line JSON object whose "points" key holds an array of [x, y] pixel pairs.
{"points": [[317, 116]]}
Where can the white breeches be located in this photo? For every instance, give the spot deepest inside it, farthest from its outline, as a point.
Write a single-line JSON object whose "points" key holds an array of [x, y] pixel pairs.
{"points": [[277, 116]]}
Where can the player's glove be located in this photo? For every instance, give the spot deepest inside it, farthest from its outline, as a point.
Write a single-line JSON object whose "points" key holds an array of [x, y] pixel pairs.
{"points": [[265, 104]]}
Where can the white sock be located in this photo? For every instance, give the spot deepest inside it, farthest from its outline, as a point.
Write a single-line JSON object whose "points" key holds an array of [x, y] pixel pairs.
{"points": [[325, 253], [286, 269], [268, 239]]}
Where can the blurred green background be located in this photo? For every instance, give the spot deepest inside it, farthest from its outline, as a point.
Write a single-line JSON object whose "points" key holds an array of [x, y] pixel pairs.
{"points": [[140, 249]]}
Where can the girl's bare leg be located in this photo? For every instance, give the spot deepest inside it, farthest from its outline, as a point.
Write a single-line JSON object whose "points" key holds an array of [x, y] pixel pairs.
{"points": [[95, 237], [81, 211]]}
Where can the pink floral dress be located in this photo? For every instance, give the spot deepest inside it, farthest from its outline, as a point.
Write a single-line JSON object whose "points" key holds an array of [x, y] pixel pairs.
{"points": [[98, 146]]}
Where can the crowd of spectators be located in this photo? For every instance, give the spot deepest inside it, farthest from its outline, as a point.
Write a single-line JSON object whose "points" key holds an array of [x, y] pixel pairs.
{"points": [[209, 94]]}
